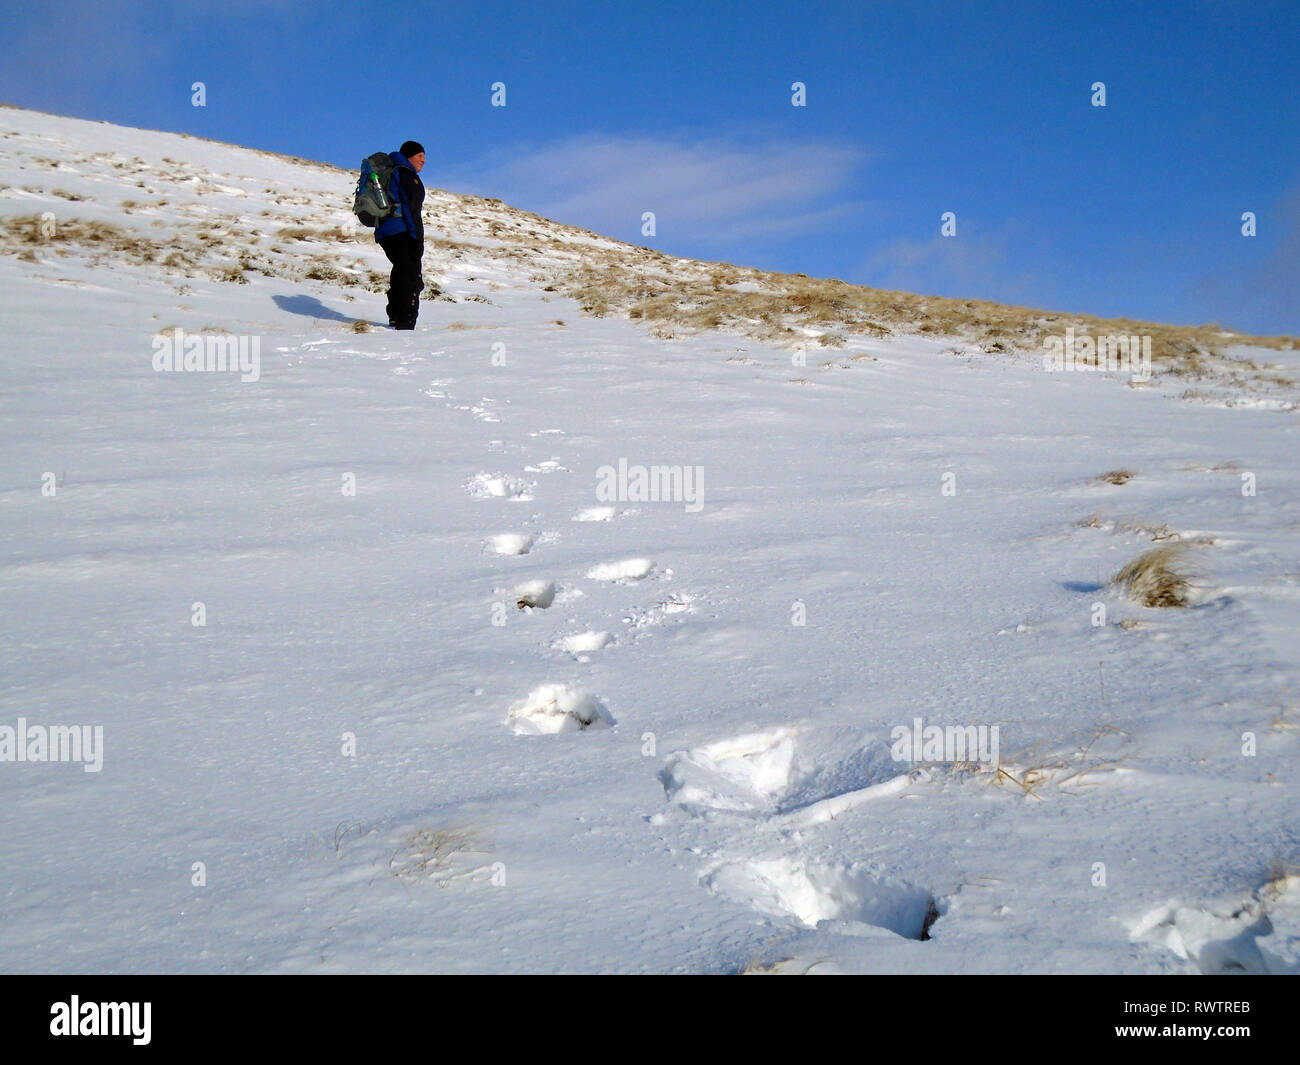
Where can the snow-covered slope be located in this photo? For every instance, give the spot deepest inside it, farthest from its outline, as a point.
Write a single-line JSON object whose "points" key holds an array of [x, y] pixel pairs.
{"points": [[450, 707]]}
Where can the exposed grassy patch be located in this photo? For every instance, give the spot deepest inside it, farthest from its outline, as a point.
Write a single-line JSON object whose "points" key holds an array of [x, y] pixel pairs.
{"points": [[331, 234], [431, 854], [1062, 767], [1159, 577], [1117, 476], [686, 296]]}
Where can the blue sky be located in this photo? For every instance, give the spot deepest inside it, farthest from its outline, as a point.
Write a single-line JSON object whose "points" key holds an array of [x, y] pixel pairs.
{"points": [[684, 109]]}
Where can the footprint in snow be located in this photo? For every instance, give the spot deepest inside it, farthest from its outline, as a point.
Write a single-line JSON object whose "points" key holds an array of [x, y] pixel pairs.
{"points": [[499, 486], [812, 893], [580, 644], [640, 617], [595, 514], [629, 569], [511, 543]]}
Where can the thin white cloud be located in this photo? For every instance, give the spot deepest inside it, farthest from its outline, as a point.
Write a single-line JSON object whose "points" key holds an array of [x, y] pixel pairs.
{"points": [[974, 263], [715, 191]]}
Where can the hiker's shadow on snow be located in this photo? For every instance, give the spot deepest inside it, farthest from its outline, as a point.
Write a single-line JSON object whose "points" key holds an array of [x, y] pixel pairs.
{"points": [[310, 307]]}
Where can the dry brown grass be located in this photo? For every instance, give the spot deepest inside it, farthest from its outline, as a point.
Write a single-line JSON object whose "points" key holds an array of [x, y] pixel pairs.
{"points": [[1159, 577], [327, 235], [431, 853], [684, 296], [321, 269], [22, 232], [1064, 768], [1117, 476]]}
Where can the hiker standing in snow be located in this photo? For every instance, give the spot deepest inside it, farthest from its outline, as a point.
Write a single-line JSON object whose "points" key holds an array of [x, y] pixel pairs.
{"points": [[402, 235]]}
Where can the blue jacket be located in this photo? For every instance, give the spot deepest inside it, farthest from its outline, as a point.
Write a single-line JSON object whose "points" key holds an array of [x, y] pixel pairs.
{"points": [[406, 191]]}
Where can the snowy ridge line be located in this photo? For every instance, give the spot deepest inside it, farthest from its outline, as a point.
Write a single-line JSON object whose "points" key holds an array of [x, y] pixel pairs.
{"points": [[308, 234]]}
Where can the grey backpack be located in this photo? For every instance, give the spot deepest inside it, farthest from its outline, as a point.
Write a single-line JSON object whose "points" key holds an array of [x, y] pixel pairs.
{"points": [[372, 204]]}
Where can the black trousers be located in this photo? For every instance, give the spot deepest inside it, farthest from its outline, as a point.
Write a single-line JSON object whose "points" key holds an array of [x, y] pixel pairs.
{"points": [[405, 282]]}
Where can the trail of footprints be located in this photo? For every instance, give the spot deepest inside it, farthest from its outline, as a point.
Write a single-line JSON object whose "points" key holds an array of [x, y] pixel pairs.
{"points": [[763, 777], [552, 708]]}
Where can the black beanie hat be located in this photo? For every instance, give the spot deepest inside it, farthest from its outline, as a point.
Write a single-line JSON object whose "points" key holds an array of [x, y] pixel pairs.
{"points": [[411, 148]]}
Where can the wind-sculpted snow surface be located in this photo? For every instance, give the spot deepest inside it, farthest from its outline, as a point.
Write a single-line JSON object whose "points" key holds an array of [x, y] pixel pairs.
{"points": [[390, 679]]}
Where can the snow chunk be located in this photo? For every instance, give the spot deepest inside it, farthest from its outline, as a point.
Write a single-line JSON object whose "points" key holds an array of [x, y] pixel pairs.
{"points": [[540, 594], [558, 708], [749, 772]]}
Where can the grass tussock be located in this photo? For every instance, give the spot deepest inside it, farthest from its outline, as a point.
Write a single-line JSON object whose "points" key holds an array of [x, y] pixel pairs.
{"points": [[360, 326], [1160, 577], [322, 270], [1117, 476]]}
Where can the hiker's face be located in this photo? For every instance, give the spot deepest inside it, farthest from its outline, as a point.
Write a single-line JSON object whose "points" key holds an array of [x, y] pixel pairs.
{"points": [[417, 161]]}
